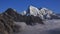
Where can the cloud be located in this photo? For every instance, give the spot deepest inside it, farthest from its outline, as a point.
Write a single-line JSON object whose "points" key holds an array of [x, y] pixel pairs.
{"points": [[50, 27]]}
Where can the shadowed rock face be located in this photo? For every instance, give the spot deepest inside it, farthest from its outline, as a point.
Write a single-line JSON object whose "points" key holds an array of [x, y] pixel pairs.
{"points": [[29, 20], [7, 19], [55, 17], [7, 26]]}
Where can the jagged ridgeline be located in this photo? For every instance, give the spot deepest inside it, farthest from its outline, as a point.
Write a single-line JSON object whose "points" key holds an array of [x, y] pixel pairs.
{"points": [[7, 19], [43, 13], [30, 17]]}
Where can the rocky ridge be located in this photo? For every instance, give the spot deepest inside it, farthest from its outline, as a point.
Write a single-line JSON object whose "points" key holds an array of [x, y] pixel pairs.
{"points": [[10, 16]]}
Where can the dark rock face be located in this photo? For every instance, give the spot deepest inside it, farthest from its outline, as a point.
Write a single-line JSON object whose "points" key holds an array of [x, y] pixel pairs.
{"points": [[29, 20], [55, 17], [6, 26], [7, 18]]}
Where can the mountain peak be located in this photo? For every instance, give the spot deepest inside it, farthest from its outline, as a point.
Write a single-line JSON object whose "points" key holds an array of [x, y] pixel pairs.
{"points": [[10, 10], [32, 6], [47, 11], [40, 12], [44, 8], [24, 13]]}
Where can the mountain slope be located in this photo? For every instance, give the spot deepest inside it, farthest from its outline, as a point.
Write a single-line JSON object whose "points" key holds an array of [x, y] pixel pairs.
{"points": [[29, 20], [10, 16]]}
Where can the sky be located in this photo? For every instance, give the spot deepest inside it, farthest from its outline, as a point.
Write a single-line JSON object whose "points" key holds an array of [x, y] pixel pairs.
{"points": [[21, 5]]}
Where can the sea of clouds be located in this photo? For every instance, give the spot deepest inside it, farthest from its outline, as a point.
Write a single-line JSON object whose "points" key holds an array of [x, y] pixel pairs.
{"points": [[49, 27]]}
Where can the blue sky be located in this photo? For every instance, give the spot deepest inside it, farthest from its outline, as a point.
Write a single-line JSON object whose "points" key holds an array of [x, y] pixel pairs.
{"points": [[21, 5]]}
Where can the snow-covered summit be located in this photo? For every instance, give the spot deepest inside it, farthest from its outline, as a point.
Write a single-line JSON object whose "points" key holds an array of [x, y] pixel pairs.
{"points": [[46, 11], [42, 13], [33, 10], [24, 13]]}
